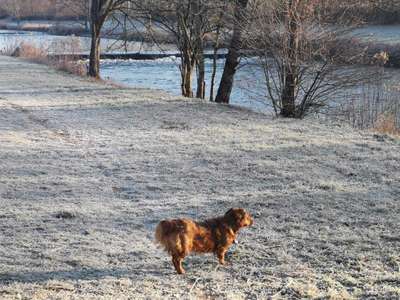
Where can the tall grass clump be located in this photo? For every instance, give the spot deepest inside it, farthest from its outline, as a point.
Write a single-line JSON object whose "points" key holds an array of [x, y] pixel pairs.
{"points": [[374, 107], [43, 55]]}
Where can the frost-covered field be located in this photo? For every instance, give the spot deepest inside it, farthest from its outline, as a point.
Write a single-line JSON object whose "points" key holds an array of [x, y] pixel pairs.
{"points": [[88, 169]]}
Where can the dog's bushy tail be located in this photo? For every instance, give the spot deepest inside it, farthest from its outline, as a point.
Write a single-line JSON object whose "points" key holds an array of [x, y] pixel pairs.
{"points": [[165, 235], [160, 232]]}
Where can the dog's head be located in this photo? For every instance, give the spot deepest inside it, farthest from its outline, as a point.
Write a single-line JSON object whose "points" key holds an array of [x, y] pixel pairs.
{"points": [[239, 217]]}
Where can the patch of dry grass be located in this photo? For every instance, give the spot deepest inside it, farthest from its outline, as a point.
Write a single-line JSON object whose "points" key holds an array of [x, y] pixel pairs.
{"points": [[387, 124], [41, 55]]}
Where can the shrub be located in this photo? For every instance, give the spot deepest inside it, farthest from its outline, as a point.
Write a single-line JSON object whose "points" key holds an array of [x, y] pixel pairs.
{"points": [[67, 63], [387, 124], [376, 107]]}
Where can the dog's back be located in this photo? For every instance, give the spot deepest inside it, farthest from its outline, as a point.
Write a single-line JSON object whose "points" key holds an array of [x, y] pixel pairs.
{"points": [[171, 233]]}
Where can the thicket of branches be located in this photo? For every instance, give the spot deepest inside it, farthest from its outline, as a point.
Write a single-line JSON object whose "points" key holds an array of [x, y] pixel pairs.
{"points": [[306, 61], [188, 22]]}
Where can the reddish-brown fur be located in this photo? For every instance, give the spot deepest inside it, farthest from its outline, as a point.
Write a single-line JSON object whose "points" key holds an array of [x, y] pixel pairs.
{"points": [[183, 236]]}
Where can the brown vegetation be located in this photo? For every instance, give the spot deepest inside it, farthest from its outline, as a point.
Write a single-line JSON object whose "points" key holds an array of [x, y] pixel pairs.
{"points": [[376, 107], [388, 124], [41, 55]]}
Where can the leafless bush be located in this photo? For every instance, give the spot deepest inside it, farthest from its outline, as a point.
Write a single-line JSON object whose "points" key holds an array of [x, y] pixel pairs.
{"points": [[374, 107], [388, 124], [189, 22], [68, 63], [306, 61], [31, 53], [41, 55]]}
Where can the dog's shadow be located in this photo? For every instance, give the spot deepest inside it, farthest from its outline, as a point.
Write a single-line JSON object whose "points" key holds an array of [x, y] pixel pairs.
{"points": [[80, 274], [209, 260]]}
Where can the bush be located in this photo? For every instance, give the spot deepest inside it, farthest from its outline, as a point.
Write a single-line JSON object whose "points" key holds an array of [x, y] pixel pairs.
{"points": [[376, 108], [387, 124], [41, 55]]}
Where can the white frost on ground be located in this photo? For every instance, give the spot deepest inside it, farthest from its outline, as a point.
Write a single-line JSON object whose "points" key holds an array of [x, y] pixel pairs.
{"points": [[87, 170]]}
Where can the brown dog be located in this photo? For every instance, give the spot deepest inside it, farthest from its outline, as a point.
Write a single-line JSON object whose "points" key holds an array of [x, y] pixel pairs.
{"points": [[182, 236]]}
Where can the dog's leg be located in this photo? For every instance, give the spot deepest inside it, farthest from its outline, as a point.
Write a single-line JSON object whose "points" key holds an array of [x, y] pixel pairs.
{"points": [[221, 255], [177, 261]]}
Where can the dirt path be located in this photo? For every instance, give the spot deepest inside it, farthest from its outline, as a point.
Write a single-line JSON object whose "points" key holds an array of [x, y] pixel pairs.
{"points": [[88, 169]]}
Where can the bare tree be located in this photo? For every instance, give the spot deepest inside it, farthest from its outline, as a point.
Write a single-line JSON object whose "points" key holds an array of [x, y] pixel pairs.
{"points": [[100, 10], [306, 62], [188, 21]]}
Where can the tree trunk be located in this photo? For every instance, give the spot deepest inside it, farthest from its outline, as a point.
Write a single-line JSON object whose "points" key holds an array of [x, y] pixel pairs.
{"points": [[214, 73], [198, 45], [291, 69], [94, 59], [232, 60], [188, 59], [97, 18], [201, 74], [187, 69], [289, 96], [215, 57]]}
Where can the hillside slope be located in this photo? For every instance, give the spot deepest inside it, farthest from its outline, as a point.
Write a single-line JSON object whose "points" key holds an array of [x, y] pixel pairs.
{"points": [[88, 169]]}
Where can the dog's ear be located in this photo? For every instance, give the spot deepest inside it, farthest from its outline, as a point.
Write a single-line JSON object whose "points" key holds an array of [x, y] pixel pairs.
{"points": [[232, 214], [229, 212], [233, 217], [238, 217]]}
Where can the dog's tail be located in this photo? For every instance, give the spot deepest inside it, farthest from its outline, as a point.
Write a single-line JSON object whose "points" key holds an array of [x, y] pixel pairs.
{"points": [[164, 234], [160, 232]]}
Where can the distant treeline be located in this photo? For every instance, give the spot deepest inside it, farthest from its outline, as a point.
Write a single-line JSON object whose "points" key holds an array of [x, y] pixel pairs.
{"points": [[368, 11], [44, 9]]}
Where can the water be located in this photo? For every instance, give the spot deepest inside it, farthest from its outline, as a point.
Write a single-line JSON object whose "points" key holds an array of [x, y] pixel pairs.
{"points": [[161, 74], [249, 90], [388, 34], [10, 39], [164, 74]]}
